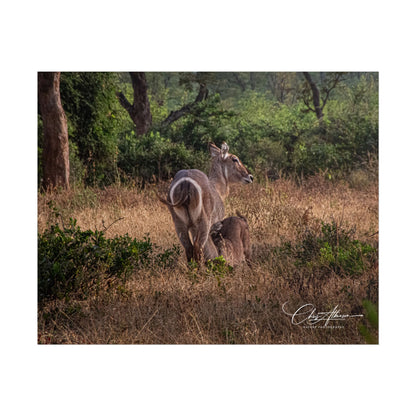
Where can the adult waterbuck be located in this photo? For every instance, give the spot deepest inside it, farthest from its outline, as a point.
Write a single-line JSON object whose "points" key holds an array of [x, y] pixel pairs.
{"points": [[196, 201], [231, 236]]}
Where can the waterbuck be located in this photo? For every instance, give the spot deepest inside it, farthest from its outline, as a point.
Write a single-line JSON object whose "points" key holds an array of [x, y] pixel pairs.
{"points": [[196, 201], [232, 238]]}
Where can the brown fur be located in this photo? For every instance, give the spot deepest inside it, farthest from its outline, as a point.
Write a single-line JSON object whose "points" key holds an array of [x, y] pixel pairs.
{"points": [[232, 238], [196, 201]]}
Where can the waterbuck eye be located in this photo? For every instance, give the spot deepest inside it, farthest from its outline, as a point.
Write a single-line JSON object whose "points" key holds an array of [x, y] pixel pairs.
{"points": [[234, 159]]}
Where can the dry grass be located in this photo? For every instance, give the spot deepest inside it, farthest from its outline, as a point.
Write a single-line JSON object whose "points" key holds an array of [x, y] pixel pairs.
{"points": [[180, 306]]}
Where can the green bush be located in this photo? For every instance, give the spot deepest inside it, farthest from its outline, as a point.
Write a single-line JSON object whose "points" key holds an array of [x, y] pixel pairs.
{"points": [[370, 330], [264, 133], [315, 155], [271, 137], [208, 121], [155, 157], [334, 249], [95, 119], [218, 268], [74, 262]]}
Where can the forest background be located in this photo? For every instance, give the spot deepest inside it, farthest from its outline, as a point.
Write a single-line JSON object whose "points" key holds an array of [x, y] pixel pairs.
{"points": [[286, 123]]}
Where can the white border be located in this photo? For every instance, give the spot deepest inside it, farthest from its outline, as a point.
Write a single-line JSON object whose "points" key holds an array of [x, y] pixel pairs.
{"points": [[184, 35]]}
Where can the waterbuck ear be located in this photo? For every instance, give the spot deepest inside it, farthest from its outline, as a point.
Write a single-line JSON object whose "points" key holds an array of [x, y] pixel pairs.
{"points": [[215, 228], [213, 149], [224, 150]]}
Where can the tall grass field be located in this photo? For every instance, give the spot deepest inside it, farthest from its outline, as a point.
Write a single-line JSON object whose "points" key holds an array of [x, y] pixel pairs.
{"points": [[112, 271]]}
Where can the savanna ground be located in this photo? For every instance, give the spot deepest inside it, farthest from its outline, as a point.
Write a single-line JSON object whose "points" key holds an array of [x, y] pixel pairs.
{"points": [[183, 305]]}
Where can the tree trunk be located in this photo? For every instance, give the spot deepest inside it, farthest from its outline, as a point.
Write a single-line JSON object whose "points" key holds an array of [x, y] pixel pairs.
{"points": [[252, 81], [55, 131], [316, 99], [239, 81], [139, 111]]}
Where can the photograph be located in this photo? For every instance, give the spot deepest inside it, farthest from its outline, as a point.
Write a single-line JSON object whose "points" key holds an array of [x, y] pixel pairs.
{"points": [[219, 208]]}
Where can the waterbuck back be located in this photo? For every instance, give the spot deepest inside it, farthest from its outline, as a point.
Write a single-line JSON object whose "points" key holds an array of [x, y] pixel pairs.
{"points": [[231, 237], [196, 201]]}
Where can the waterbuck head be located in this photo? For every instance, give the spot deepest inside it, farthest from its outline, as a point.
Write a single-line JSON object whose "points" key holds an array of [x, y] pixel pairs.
{"points": [[228, 166]]}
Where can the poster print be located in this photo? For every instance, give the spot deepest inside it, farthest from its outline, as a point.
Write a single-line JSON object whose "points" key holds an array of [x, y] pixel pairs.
{"points": [[208, 208]]}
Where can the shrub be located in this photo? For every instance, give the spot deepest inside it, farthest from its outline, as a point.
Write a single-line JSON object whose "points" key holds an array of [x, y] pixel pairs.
{"points": [[153, 156], [370, 331], [208, 121], [218, 268], [334, 249], [264, 133], [74, 262], [94, 120]]}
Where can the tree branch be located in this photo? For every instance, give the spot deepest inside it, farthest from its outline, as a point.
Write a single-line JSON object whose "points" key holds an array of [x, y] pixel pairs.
{"points": [[106, 228], [124, 102], [308, 107], [239, 81], [186, 109], [337, 79]]}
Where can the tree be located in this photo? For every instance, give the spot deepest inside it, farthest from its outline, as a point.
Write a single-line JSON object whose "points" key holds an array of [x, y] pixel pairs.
{"points": [[252, 80], [242, 79], [318, 102], [282, 85], [188, 79], [55, 155], [239, 81], [94, 122], [139, 111]]}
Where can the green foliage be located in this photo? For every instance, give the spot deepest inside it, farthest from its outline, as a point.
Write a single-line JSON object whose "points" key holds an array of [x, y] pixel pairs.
{"points": [[78, 170], [193, 271], [264, 133], [271, 136], [260, 115], [349, 132], [203, 124], [332, 250], [369, 332], [371, 313], [153, 157], [218, 268], [354, 117], [94, 120], [314, 155], [158, 107], [74, 262]]}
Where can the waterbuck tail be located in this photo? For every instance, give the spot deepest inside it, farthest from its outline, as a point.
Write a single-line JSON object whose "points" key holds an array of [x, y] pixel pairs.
{"points": [[178, 203], [241, 216]]}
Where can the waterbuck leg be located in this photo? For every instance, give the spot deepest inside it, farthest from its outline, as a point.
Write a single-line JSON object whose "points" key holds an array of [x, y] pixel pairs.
{"points": [[203, 242], [197, 252], [186, 242], [182, 232], [210, 251]]}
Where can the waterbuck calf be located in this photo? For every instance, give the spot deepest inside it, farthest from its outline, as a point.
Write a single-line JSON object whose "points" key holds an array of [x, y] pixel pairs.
{"points": [[196, 201], [232, 238]]}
